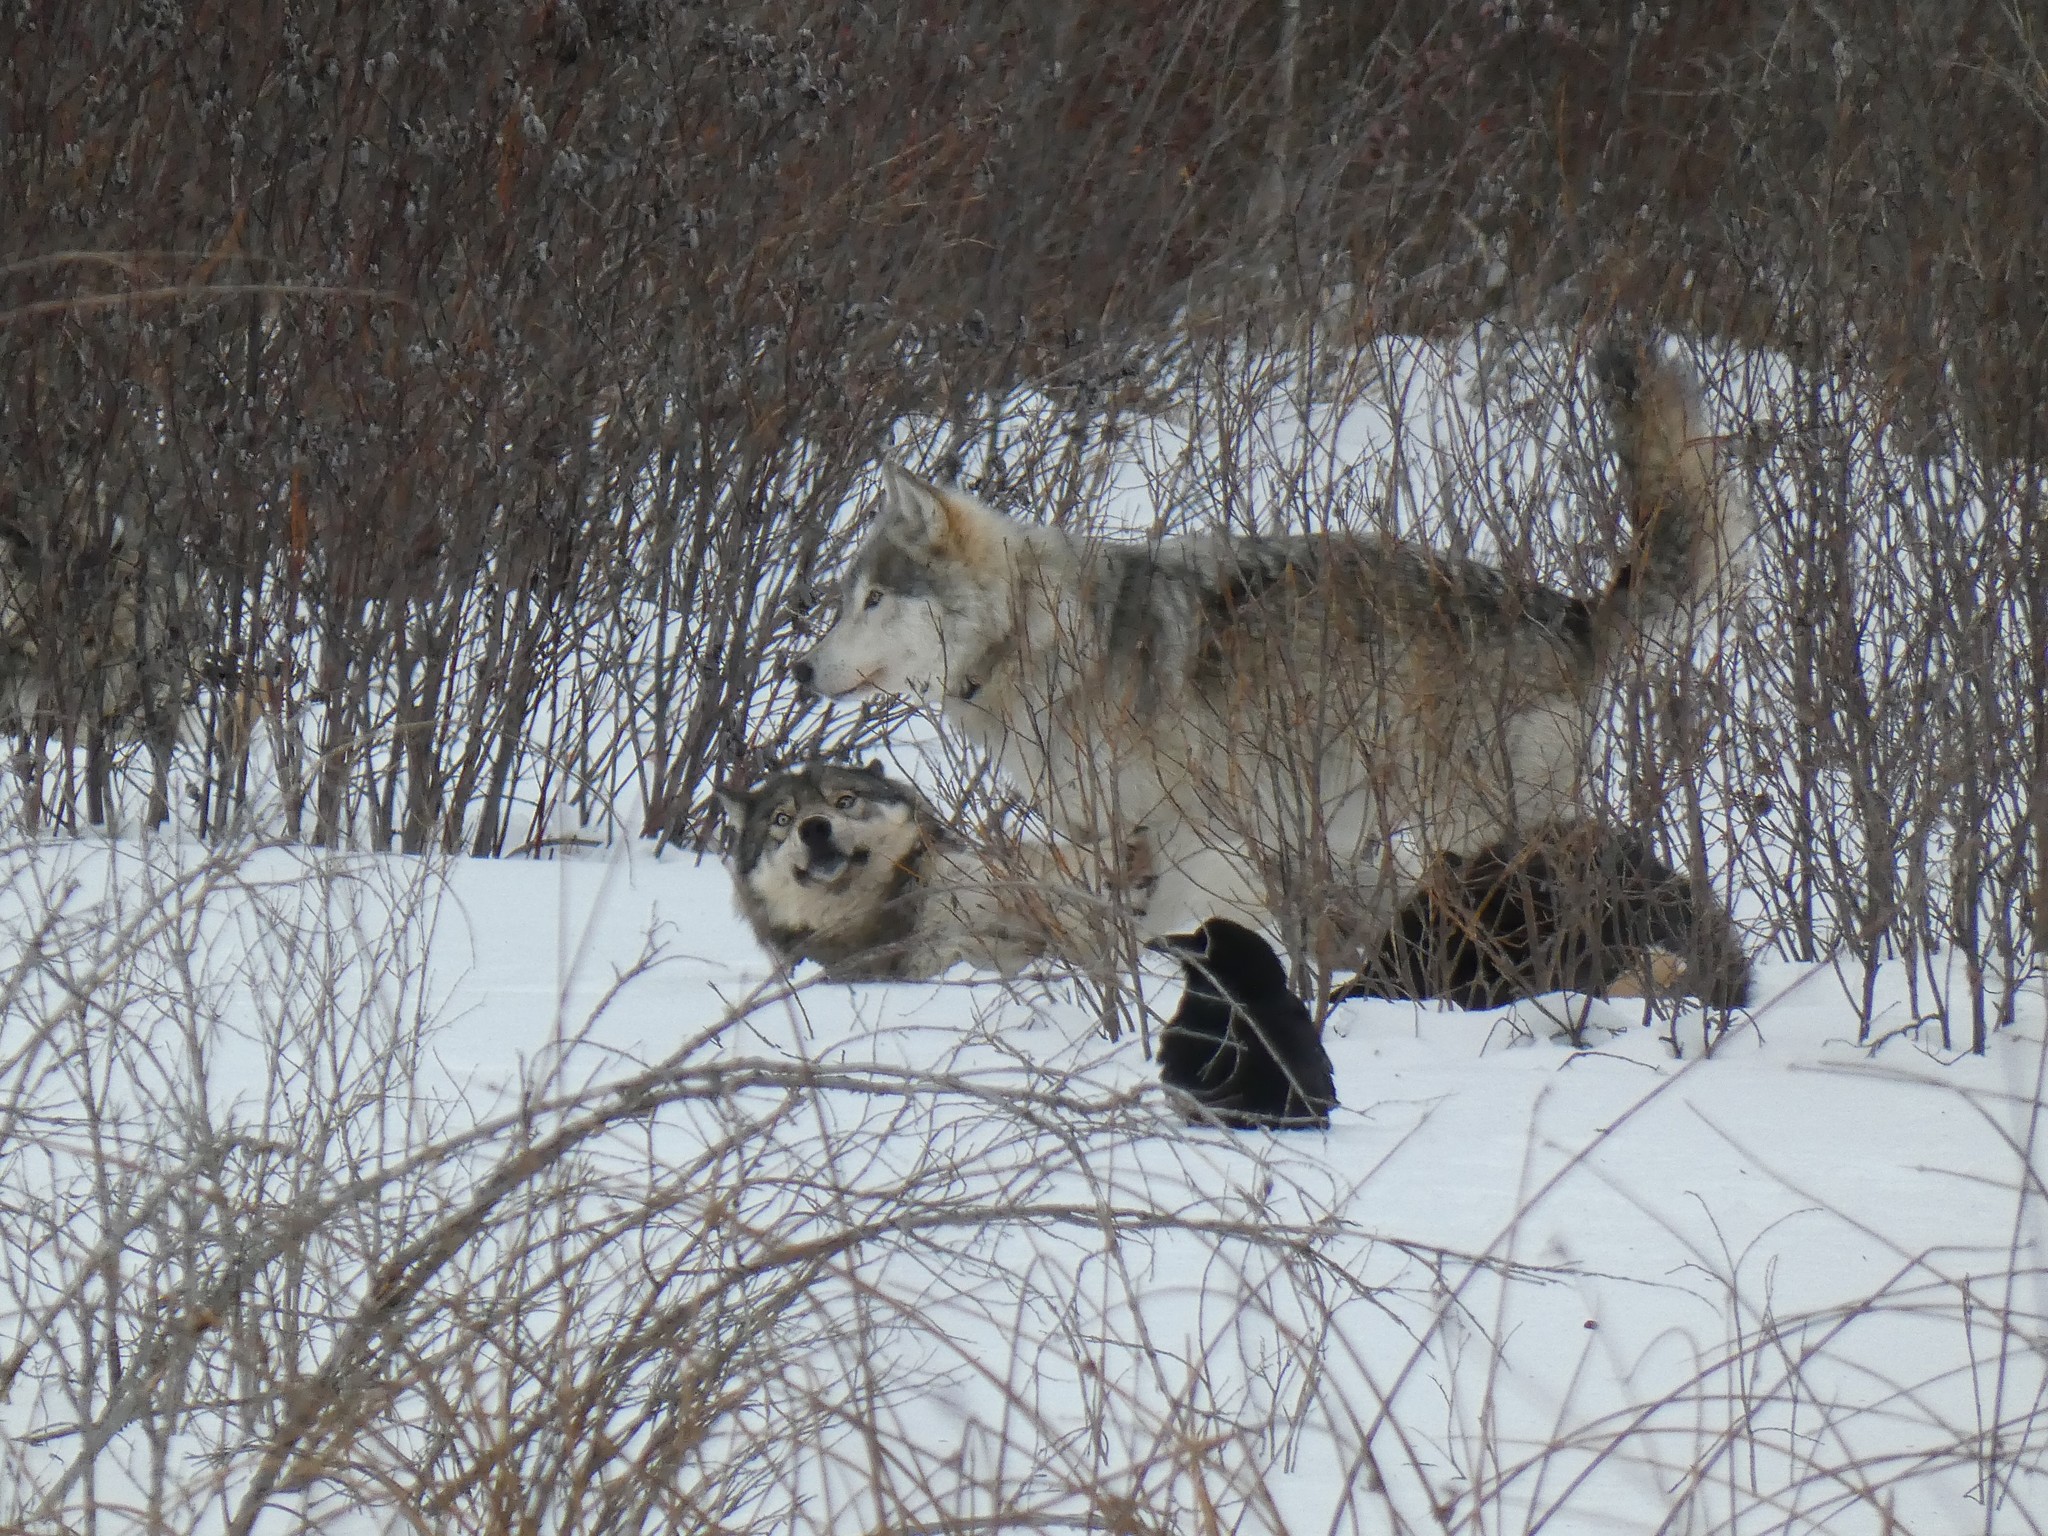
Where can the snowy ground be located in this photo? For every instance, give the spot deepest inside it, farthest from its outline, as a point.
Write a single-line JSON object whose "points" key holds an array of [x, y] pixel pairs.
{"points": [[1794, 1285], [370, 1193]]}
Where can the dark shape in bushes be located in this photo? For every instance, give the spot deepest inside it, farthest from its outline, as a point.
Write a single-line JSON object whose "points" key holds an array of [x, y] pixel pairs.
{"points": [[1576, 907], [1241, 1045]]}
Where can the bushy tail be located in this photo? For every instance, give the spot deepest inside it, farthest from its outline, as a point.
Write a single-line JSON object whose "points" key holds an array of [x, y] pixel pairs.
{"points": [[1691, 519]]}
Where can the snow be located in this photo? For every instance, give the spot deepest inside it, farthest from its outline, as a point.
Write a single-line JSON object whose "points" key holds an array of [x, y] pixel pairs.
{"points": [[1795, 1284], [1770, 1278]]}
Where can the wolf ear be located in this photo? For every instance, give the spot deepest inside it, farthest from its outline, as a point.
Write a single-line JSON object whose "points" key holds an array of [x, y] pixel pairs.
{"points": [[878, 768], [735, 804], [933, 516]]}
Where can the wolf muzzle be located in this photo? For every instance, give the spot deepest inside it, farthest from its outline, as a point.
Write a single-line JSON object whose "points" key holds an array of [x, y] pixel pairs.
{"points": [[827, 860]]}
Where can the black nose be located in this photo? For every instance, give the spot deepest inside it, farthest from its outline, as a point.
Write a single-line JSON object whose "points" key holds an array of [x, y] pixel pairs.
{"points": [[800, 669], [816, 832]]}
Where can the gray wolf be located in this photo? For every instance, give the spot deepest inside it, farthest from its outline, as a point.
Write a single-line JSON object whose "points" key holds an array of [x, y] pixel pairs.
{"points": [[1241, 1046], [1578, 908], [1294, 724], [853, 870]]}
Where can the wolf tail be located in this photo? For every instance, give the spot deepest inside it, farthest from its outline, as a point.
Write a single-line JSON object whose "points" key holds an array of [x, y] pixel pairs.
{"points": [[1690, 515]]}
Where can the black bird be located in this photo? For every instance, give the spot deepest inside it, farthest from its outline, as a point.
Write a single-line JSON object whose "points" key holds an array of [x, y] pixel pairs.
{"points": [[1572, 906], [1241, 1045]]}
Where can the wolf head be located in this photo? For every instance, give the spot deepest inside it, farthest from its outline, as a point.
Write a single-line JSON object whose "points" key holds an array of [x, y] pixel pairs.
{"points": [[821, 849], [924, 601]]}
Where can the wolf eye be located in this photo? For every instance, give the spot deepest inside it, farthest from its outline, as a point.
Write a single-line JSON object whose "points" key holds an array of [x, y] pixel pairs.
{"points": [[873, 599], [782, 819], [847, 801]]}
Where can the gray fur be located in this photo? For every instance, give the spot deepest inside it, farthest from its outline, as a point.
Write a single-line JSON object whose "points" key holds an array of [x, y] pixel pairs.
{"points": [[1690, 531], [911, 898], [849, 899], [1290, 724]]}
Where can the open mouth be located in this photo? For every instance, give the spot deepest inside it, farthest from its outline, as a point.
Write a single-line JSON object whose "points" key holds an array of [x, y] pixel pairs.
{"points": [[826, 868]]}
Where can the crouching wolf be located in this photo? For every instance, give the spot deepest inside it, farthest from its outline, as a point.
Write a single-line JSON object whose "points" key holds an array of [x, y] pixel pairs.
{"points": [[1579, 908], [1293, 723], [848, 868]]}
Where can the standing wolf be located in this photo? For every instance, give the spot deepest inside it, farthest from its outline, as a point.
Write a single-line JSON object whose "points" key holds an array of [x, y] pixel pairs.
{"points": [[1313, 717]]}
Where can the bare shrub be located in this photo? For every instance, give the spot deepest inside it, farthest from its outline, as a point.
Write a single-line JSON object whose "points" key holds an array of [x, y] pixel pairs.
{"points": [[265, 1260], [495, 378], [474, 406]]}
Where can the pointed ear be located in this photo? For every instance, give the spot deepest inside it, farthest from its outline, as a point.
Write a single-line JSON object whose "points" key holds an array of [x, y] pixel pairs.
{"points": [[735, 804], [913, 504], [878, 768]]}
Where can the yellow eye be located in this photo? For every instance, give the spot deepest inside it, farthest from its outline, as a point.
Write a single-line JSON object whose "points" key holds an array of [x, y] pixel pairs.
{"points": [[847, 801]]}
